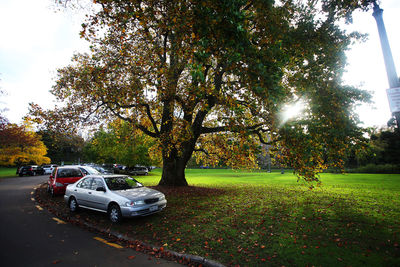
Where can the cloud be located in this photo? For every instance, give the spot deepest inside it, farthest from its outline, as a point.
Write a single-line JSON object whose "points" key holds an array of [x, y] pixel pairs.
{"points": [[35, 42]]}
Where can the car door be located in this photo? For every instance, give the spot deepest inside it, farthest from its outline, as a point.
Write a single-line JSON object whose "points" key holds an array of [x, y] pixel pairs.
{"points": [[82, 190], [99, 199]]}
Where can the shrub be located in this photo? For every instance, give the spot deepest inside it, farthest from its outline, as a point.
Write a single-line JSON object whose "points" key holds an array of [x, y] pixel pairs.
{"points": [[373, 168]]}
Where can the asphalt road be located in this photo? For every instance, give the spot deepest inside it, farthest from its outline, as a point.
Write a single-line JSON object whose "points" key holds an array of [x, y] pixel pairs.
{"points": [[30, 236]]}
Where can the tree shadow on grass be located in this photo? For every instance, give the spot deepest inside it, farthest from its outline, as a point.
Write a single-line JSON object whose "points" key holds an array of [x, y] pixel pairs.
{"points": [[251, 225]]}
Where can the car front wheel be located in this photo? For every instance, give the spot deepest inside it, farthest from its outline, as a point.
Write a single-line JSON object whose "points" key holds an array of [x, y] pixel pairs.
{"points": [[73, 205], [114, 213]]}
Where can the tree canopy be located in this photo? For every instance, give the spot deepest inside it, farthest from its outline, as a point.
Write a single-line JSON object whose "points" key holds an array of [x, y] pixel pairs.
{"points": [[121, 143], [383, 147], [20, 145], [212, 77], [63, 147]]}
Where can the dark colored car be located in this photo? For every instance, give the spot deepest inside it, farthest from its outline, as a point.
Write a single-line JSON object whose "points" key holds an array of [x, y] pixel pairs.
{"points": [[30, 170], [118, 168], [102, 170], [61, 177], [134, 171]]}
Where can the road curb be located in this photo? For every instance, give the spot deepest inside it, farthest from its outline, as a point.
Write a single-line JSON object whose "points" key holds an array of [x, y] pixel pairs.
{"points": [[142, 246]]}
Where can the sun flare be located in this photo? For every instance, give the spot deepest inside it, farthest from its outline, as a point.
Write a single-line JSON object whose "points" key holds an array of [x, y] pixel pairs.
{"points": [[292, 110]]}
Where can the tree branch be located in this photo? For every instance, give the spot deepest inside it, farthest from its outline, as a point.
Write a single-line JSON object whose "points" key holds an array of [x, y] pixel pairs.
{"points": [[201, 150], [139, 126]]}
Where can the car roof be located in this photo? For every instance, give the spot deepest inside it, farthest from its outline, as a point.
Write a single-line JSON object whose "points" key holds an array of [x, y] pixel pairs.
{"points": [[68, 167], [78, 166], [106, 175]]}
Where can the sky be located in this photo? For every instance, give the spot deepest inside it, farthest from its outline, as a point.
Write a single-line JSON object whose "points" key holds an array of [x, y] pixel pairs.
{"points": [[35, 40]]}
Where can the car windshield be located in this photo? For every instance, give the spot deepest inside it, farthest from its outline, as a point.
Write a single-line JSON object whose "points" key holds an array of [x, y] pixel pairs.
{"points": [[90, 170], [121, 183], [100, 169]]}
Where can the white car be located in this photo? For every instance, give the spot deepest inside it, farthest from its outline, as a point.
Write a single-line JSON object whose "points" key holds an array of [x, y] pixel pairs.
{"points": [[87, 170], [48, 169], [117, 195]]}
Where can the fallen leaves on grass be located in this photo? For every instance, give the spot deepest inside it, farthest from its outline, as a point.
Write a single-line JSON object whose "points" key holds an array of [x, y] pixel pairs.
{"points": [[249, 225]]}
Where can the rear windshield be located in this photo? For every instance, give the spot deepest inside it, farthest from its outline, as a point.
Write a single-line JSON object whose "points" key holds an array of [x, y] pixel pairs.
{"points": [[64, 173]]}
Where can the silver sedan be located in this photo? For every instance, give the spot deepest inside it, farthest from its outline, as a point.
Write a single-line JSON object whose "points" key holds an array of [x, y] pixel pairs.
{"points": [[117, 195]]}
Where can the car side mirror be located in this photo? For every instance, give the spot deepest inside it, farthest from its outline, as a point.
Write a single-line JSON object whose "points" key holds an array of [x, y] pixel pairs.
{"points": [[101, 188]]}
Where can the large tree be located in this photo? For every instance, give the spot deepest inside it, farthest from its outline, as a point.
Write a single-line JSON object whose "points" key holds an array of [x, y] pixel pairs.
{"points": [[20, 145], [63, 147], [211, 77]]}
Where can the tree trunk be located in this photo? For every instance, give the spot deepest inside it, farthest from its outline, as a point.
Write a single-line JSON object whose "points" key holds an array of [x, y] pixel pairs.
{"points": [[173, 173]]}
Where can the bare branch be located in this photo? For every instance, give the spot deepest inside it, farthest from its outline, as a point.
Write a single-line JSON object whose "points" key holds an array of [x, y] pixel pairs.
{"points": [[201, 150]]}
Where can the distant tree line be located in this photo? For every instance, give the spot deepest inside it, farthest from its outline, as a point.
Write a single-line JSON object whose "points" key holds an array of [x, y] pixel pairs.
{"points": [[381, 152], [120, 143]]}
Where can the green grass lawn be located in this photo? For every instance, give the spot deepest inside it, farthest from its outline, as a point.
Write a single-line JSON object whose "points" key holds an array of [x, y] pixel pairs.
{"points": [[224, 177], [258, 218], [7, 172]]}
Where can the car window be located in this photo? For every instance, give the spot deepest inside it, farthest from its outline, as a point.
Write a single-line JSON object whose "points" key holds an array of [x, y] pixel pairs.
{"points": [[84, 171], [63, 173], [96, 183], [121, 183], [89, 170], [85, 183]]}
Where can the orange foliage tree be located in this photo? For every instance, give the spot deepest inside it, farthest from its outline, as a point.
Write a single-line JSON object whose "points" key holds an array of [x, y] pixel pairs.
{"points": [[19, 145]]}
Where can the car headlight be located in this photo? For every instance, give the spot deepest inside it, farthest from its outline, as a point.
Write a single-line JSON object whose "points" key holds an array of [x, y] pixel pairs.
{"points": [[161, 198], [130, 204], [59, 184], [134, 203]]}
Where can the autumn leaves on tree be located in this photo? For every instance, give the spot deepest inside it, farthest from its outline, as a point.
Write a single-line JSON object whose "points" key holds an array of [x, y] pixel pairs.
{"points": [[20, 145], [209, 78]]}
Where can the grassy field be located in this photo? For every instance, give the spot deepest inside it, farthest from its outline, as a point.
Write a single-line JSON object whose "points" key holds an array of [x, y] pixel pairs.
{"points": [[257, 219], [230, 177], [7, 172]]}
